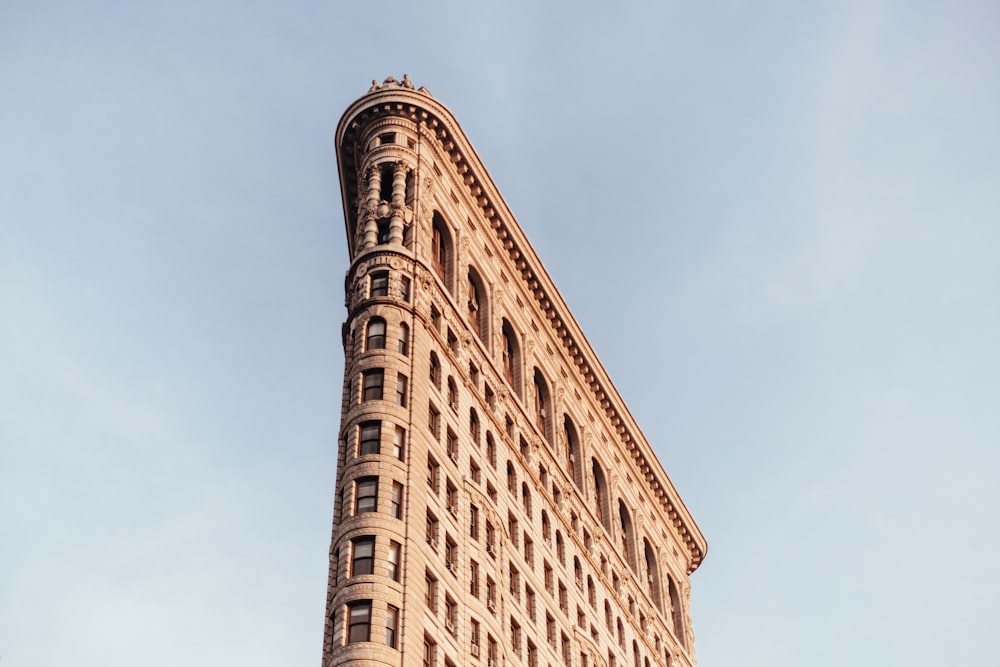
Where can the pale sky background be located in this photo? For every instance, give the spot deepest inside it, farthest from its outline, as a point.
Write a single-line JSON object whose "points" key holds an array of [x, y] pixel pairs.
{"points": [[778, 224]]}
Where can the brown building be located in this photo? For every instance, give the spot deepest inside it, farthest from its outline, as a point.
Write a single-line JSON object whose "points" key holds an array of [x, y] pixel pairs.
{"points": [[496, 504]]}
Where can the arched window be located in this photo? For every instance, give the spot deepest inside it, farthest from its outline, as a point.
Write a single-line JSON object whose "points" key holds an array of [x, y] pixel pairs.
{"points": [[511, 478], [652, 573], [404, 338], [441, 250], [435, 373], [627, 537], [375, 339], [526, 499], [546, 527], [560, 548], [675, 610], [477, 304], [510, 357], [543, 405], [601, 502], [573, 454]]}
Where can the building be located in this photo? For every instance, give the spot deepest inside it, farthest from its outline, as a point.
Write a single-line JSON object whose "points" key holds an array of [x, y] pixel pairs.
{"points": [[496, 504]]}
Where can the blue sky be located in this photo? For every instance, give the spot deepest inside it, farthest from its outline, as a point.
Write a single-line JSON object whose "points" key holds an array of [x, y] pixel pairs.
{"points": [[777, 223]]}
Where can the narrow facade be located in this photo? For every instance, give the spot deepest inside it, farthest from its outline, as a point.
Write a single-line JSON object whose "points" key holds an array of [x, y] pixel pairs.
{"points": [[496, 504]]}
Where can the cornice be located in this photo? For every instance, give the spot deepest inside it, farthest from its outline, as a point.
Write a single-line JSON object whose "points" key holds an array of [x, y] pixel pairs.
{"points": [[394, 99]]}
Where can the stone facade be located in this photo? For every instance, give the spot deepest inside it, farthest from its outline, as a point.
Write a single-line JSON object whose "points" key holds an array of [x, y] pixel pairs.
{"points": [[495, 502]]}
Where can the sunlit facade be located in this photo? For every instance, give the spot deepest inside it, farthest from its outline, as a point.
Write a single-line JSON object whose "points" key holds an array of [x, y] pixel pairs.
{"points": [[495, 502]]}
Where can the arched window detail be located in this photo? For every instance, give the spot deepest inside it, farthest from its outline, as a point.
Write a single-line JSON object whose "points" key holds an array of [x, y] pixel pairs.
{"points": [[526, 499], [652, 573], [511, 478], [546, 527], [442, 250], [543, 406], [627, 537], [574, 464], [510, 358], [375, 335], [675, 610], [478, 305], [601, 502]]}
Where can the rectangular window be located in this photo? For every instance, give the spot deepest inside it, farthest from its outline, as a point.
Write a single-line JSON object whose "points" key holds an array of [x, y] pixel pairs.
{"points": [[529, 550], [430, 592], [359, 621], [430, 652], [515, 583], [474, 471], [432, 530], [398, 442], [491, 594], [452, 440], [392, 561], [433, 474], [391, 625], [396, 501], [474, 579], [372, 385], [401, 382], [434, 421], [451, 555], [450, 615], [380, 283], [490, 539], [404, 288], [369, 435], [529, 602], [473, 522], [365, 495], [362, 556]]}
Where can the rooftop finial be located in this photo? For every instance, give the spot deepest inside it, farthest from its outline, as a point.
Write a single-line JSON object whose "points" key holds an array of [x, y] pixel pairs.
{"points": [[392, 82]]}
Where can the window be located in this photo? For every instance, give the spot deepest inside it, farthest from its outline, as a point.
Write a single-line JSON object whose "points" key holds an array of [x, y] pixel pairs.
{"points": [[452, 394], [512, 530], [365, 495], [601, 504], [550, 630], [452, 444], [391, 626], [627, 538], [542, 404], [591, 592], [369, 436], [450, 614], [560, 548], [451, 496], [432, 530], [509, 356], [404, 288], [491, 398], [380, 283], [452, 342], [376, 334], [430, 591], [433, 473], [441, 249], [547, 569], [491, 450], [529, 602], [372, 385], [398, 442], [392, 561], [491, 593], [573, 458], [532, 654], [474, 426], [474, 472], [563, 598], [430, 652], [403, 347], [434, 421], [474, 579], [526, 499], [359, 623], [401, 390], [473, 522], [529, 550], [490, 539], [511, 478], [491, 648], [546, 527], [362, 556], [396, 501], [435, 318], [435, 371], [515, 583], [652, 573], [515, 636], [474, 635], [451, 555], [577, 573]]}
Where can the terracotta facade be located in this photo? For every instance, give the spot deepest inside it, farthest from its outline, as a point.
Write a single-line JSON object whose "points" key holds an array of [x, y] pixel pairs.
{"points": [[495, 502]]}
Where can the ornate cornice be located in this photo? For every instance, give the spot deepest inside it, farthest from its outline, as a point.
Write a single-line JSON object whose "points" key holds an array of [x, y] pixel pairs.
{"points": [[400, 99]]}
